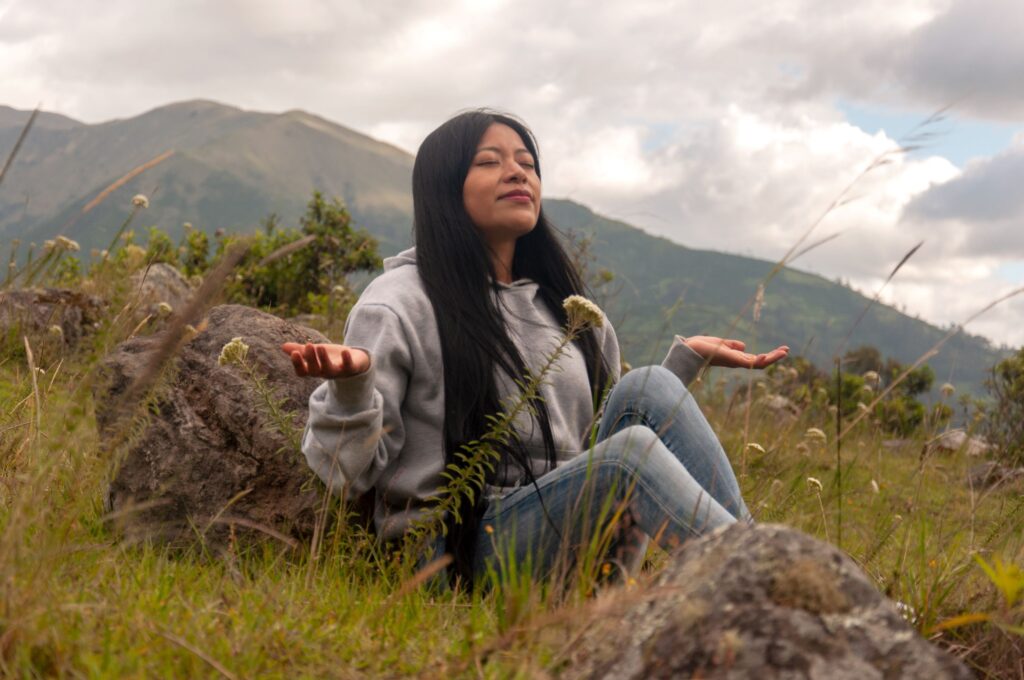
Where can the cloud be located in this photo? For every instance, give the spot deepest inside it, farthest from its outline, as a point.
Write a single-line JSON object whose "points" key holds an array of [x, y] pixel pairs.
{"points": [[971, 56], [712, 123]]}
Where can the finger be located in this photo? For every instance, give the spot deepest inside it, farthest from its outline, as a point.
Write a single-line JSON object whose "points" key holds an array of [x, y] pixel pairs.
{"points": [[328, 366], [299, 364], [735, 344], [312, 359], [289, 347]]}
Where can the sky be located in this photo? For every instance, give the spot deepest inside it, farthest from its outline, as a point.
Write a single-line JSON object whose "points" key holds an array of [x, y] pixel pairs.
{"points": [[735, 126]]}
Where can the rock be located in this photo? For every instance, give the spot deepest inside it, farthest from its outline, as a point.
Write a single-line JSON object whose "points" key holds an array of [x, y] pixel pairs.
{"points": [[758, 601], [210, 456], [36, 310], [158, 283], [955, 440], [990, 473]]}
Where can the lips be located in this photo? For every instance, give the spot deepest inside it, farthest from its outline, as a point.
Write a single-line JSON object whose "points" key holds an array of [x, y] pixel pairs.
{"points": [[517, 195]]}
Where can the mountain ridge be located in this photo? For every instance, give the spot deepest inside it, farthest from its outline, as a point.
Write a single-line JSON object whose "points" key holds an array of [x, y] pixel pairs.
{"points": [[233, 167]]}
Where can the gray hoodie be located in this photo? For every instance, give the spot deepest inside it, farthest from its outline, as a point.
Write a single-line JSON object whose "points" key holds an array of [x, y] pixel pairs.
{"points": [[383, 428]]}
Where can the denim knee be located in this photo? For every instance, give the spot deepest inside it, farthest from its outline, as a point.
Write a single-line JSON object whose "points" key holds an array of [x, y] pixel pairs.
{"points": [[649, 389], [630, 447]]}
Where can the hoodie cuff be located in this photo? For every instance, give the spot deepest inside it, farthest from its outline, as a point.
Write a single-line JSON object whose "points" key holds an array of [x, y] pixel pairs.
{"points": [[683, 361], [354, 394]]}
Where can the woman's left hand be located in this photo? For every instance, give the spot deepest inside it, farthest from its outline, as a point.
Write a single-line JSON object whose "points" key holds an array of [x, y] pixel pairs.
{"points": [[731, 353]]}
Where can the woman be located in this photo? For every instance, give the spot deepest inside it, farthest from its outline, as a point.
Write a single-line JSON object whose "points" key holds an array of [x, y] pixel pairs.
{"points": [[436, 344]]}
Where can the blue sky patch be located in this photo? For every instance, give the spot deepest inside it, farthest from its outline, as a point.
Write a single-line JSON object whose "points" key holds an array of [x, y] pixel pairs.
{"points": [[955, 138]]}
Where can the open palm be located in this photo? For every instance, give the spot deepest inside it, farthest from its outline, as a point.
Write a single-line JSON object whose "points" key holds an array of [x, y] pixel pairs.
{"points": [[732, 353], [326, 360]]}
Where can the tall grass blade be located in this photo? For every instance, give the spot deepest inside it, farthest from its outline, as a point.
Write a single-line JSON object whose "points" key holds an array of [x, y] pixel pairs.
{"points": [[17, 145]]}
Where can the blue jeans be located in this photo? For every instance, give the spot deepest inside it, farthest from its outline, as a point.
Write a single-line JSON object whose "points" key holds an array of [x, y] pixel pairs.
{"points": [[657, 467]]}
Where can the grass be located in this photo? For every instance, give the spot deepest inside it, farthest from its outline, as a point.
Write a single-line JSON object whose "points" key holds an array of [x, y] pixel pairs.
{"points": [[76, 601]]}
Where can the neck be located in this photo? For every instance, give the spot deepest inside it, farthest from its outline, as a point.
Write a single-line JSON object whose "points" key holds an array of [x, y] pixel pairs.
{"points": [[502, 255]]}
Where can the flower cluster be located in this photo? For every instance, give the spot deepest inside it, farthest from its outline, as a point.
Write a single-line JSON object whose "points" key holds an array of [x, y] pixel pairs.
{"points": [[582, 312], [233, 353], [815, 434], [61, 243]]}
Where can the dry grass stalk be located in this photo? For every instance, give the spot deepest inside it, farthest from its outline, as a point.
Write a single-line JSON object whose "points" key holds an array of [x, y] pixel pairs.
{"points": [[17, 145], [124, 179], [177, 331], [287, 249], [188, 647], [37, 403]]}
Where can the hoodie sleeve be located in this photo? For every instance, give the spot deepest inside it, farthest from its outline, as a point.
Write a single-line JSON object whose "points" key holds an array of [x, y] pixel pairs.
{"points": [[683, 361], [355, 426]]}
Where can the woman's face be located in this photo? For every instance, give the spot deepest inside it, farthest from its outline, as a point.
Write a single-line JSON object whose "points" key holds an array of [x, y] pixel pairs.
{"points": [[502, 189]]}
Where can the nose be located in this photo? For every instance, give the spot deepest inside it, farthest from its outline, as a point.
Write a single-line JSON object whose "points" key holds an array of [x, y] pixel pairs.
{"points": [[515, 173]]}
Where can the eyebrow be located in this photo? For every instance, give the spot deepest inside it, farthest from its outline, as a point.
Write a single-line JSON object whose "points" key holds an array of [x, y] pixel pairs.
{"points": [[497, 150]]}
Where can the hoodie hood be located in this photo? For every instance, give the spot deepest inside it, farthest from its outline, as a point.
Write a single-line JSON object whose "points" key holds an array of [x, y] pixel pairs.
{"points": [[402, 259], [408, 257]]}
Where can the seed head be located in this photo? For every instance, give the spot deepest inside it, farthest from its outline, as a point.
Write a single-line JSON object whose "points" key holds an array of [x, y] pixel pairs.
{"points": [[164, 310], [815, 483], [872, 378], [233, 353], [67, 244], [758, 302], [582, 312], [947, 390], [56, 331], [140, 201], [815, 434]]}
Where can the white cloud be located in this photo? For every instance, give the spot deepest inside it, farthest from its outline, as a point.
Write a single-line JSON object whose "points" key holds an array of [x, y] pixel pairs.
{"points": [[712, 123]]}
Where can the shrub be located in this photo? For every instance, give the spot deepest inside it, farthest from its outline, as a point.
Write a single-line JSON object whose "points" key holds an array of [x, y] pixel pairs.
{"points": [[1003, 412], [312, 278]]}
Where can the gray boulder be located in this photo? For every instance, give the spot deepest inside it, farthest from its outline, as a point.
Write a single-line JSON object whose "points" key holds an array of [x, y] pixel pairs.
{"points": [[759, 601], [210, 456], [955, 440], [158, 283], [991, 474], [36, 310]]}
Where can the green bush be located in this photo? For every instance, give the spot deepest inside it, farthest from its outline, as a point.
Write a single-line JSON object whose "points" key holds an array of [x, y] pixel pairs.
{"points": [[1003, 412], [312, 278]]}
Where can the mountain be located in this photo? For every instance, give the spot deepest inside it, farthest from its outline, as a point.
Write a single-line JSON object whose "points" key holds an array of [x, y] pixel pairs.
{"points": [[230, 168]]}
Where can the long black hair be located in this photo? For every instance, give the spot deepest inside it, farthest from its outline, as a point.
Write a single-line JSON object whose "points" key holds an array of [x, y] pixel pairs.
{"points": [[459, 278]]}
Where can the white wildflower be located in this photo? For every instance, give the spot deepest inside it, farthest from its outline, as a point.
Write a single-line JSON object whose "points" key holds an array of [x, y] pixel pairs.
{"points": [[56, 331], [164, 310], [868, 390], [67, 244], [947, 390], [582, 312], [815, 483], [872, 378], [140, 201], [815, 434], [48, 245], [233, 353], [187, 226]]}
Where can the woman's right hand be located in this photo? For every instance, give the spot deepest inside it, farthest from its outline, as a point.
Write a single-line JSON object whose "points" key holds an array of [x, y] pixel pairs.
{"points": [[326, 360]]}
